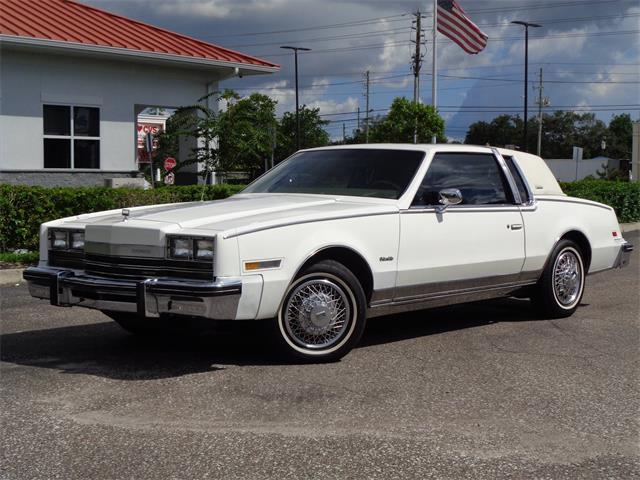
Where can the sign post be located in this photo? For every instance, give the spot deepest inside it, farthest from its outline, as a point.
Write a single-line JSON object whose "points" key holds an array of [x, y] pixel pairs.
{"points": [[148, 146], [577, 157], [169, 164]]}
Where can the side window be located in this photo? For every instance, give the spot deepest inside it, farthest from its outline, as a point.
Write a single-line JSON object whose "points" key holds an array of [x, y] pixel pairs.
{"points": [[477, 175], [524, 193]]}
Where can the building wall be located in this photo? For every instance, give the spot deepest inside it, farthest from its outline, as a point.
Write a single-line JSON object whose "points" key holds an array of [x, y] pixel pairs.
{"points": [[29, 79], [564, 169]]}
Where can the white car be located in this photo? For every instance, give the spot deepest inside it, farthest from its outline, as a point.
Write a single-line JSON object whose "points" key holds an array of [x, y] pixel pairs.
{"points": [[333, 236]]}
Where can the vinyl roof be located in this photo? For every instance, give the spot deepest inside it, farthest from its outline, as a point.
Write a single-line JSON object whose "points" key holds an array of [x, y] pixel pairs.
{"points": [[82, 25]]}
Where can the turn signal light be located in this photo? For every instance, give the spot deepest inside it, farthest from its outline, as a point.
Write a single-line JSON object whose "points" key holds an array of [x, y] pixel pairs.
{"points": [[261, 265]]}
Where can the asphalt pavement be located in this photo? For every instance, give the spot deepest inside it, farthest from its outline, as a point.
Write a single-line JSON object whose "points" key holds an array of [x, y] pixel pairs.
{"points": [[486, 390]]}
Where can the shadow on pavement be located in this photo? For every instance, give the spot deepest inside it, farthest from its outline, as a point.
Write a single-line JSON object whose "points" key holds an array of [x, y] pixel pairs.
{"points": [[104, 349]]}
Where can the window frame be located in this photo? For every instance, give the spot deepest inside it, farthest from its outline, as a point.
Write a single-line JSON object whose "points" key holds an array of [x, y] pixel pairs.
{"points": [[518, 170], [72, 137], [510, 191]]}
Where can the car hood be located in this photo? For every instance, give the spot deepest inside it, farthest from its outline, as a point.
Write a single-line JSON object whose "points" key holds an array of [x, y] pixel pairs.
{"points": [[234, 215]]}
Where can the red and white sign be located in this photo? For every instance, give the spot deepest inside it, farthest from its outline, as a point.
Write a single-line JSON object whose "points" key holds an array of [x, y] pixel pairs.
{"points": [[169, 163], [169, 178], [152, 128]]}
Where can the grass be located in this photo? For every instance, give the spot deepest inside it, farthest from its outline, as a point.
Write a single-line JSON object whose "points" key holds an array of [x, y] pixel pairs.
{"points": [[29, 257]]}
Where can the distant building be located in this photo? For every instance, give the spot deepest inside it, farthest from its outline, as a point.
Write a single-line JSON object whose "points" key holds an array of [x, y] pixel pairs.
{"points": [[74, 80], [568, 170]]}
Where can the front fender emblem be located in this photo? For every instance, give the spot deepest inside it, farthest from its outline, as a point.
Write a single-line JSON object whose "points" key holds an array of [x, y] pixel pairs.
{"points": [[386, 259]]}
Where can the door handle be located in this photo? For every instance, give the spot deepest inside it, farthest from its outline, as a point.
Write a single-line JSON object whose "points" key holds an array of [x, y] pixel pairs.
{"points": [[516, 226]]}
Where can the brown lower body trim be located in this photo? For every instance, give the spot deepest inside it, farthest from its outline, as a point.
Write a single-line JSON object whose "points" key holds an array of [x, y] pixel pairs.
{"points": [[436, 294]]}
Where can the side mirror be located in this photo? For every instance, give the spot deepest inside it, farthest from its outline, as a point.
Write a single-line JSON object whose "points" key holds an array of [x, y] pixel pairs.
{"points": [[448, 196]]}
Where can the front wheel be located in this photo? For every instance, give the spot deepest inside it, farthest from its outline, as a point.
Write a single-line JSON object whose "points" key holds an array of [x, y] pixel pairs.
{"points": [[322, 316], [559, 290]]}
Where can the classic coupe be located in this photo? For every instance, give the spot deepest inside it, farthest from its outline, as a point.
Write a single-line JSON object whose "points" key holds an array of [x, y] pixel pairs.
{"points": [[333, 236]]}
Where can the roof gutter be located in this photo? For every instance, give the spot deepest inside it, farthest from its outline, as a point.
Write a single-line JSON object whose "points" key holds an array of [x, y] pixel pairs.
{"points": [[247, 68]]}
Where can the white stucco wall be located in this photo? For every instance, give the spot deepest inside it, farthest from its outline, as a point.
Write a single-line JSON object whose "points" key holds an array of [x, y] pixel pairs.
{"points": [[29, 79], [564, 169]]}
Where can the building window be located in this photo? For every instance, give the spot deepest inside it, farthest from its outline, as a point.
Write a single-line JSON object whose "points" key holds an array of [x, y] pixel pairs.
{"points": [[71, 136]]}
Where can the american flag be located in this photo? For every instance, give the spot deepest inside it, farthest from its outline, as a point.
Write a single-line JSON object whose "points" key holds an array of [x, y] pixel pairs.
{"points": [[454, 23]]}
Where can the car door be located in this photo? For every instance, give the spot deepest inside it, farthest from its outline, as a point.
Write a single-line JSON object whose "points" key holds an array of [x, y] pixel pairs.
{"points": [[475, 245]]}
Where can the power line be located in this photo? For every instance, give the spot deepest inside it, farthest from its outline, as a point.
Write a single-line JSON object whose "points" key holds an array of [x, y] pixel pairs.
{"points": [[446, 42], [325, 39], [353, 23]]}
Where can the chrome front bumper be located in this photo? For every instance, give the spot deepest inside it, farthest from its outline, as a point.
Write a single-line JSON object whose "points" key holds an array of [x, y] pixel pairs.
{"points": [[150, 298], [624, 255]]}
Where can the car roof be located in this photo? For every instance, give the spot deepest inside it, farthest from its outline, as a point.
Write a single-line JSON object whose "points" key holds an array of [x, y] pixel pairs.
{"points": [[424, 147], [535, 169]]}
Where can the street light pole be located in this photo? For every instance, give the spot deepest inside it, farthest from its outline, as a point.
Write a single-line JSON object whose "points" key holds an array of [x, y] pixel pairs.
{"points": [[295, 52], [526, 26]]}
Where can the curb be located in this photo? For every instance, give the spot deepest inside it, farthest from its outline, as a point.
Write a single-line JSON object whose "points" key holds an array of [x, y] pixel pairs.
{"points": [[630, 227], [11, 276]]}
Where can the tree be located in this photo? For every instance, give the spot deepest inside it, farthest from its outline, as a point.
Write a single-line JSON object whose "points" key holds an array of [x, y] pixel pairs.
{"points": [[561, 131], [236, 139], [619, 137], [312, 132], [399, 125], [502, 130], [246, 132]]}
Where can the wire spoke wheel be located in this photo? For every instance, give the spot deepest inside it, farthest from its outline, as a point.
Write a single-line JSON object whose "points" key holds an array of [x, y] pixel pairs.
{"points": [[317, 313], [567, 278]]}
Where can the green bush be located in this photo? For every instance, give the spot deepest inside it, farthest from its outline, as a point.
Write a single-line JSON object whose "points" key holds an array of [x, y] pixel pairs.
{"points": [[28, 257], [624, 197], [24, 208]]}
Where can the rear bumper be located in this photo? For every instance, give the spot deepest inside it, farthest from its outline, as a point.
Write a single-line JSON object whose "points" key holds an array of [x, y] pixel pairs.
{"points": [[624, 255], [150, 298]]}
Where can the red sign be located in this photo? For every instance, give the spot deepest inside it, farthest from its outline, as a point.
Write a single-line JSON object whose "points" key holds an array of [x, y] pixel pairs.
{"points": [[169, 163], [144, 128]]}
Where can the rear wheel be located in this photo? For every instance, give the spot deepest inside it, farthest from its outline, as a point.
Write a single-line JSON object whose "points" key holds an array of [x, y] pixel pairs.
{"points": [[559, 290], [323, 313]]}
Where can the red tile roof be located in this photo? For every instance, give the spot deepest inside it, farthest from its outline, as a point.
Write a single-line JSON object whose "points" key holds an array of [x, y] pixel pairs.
{"points": [[69, 21]]}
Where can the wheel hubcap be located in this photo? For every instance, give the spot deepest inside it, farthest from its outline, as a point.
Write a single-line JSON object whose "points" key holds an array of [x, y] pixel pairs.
{"points": [[317, 313], [567, 278]]}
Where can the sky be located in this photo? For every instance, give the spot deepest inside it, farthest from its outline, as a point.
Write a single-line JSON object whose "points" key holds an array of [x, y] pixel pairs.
{"points": [[589, 52]]}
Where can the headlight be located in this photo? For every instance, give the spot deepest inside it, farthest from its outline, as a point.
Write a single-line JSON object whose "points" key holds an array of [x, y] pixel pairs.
{"points": [[180, 248], [190, 248], [77, 240], [59, 239], [204, 250]]}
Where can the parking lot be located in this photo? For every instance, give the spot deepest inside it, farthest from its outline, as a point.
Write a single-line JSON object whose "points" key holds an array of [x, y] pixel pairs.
{"points": [[486, 390]]}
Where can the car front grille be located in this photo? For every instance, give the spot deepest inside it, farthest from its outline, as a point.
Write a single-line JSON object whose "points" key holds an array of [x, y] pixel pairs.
{"points": [[66, 259], [136, 268]]}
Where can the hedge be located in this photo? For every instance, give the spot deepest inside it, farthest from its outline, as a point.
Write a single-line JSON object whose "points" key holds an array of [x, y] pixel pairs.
{"points": [[24, 208], [624, 197]]}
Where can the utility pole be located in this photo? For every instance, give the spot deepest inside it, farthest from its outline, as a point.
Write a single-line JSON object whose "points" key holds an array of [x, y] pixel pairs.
{"points": [[344, 133], [366, 115], [542, 102], [526, 26], [295, 51], [417, 63], [358, 117], [417, 58]]}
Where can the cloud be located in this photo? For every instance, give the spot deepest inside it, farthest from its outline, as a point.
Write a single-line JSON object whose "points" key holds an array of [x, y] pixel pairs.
{"points": [[341, 54], [216, 9]]}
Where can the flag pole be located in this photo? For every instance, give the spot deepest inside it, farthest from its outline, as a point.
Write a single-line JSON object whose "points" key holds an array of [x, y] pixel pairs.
{"points": [[434, 66]]}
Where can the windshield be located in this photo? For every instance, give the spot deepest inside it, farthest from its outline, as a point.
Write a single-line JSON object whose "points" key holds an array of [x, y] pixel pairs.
{"points": [[354, 172]]}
